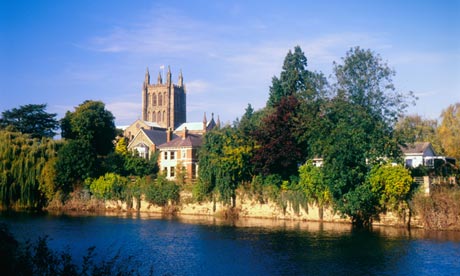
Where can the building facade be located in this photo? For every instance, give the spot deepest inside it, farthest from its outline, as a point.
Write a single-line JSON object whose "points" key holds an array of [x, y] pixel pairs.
{"points": [[164, 103]]}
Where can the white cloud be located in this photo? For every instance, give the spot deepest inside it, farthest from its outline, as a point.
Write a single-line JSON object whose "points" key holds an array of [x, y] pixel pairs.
{"points": [[125, 112], [197, 87]]}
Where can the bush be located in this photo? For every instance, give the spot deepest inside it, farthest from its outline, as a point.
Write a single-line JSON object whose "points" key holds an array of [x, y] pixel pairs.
{"points": [[439, 210], [109, 186], [161, 191]]}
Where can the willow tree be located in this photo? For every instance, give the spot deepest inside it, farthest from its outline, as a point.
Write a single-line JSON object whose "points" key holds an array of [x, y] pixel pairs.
{"points": [[26, 175]]}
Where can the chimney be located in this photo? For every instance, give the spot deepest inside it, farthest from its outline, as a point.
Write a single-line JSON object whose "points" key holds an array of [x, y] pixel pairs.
{"points": [[168, 135], [185, 133]]}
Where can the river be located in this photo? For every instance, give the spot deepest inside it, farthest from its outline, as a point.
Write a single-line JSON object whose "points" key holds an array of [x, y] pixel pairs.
{"points": [[209, 246]]}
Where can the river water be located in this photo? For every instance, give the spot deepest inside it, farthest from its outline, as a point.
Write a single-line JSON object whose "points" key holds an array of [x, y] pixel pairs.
{"points": [[208, 246]]}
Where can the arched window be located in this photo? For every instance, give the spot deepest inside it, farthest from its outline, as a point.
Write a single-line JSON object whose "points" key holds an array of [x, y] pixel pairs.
{"points": [[147, 99], [154, 99], [154, 117], [164, 116], [165, 98], [159, 116], [160, 99]]}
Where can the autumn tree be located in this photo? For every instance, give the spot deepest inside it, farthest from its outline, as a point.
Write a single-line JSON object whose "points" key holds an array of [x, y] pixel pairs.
{"points": [[30, 119], [449, 130], [413, 128]]}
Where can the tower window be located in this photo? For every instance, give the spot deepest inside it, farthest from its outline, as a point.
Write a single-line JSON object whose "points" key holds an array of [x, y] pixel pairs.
{"points": [[160, 99], [154, 99]]}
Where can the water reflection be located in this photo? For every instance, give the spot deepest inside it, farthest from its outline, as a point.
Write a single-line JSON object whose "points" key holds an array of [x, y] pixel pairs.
{"points": [[210, 246]]}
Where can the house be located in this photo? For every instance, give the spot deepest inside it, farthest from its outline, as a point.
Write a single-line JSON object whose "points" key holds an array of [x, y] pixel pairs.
{"points": [[146, 141], [418, 154], [131, 131], [423, 154], [181, 152]]}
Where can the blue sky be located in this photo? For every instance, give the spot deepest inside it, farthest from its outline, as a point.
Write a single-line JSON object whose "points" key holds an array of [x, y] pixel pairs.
{"points": [[65, 52]]}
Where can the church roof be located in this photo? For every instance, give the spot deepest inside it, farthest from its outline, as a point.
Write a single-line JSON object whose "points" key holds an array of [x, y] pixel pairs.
{"points": [[191, 140], [196, 126]]}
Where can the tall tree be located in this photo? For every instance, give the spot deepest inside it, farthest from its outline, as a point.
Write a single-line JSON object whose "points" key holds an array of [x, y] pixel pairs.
{"points": [[358, 130], [30, 119], [91, 123], [366, 80], [295, 79], [449, 130]]}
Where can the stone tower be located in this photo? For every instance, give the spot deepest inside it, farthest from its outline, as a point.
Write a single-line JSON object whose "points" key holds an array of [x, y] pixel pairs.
{"points": [[164, 103]]}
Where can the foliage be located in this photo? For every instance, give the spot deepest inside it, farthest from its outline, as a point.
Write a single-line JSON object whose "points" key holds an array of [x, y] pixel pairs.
{"points": [[224, 163], [365, 80], [392, 184], [137, 166], [413, 128], [279, 151], [90, 123], [39, 259], [312, 182], [109, 186], [25, 170], [122, 146], [161, 191], [75, 162], [357, 131], [31, 119], [449, 130], [295, 79]]}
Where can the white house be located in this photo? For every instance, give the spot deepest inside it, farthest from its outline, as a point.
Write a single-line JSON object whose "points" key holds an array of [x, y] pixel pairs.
{"points": [[418, 154]]}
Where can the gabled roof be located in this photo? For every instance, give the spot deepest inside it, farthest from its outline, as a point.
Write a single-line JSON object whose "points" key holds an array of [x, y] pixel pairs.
{"points": [[191, 140], [417, 148], [156, 136]]}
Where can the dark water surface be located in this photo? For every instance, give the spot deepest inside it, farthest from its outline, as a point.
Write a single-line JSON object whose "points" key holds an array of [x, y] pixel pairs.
{"points": [[206, 246]]}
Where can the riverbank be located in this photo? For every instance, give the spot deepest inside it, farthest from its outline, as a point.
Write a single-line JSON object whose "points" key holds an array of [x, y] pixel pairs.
{"points": [[246, 208]]}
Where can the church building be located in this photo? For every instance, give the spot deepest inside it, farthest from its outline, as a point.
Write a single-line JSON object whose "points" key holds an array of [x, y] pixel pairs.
{"points": [[164, 103]]}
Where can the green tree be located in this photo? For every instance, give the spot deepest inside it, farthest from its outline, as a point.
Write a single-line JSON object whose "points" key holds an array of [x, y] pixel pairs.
{"points": [[161, 191], [76, 161], [30, 119], [295, 79], [449, 130], [357, 130], [25, 178], [225, 162], [90, 123], [313, 184]]}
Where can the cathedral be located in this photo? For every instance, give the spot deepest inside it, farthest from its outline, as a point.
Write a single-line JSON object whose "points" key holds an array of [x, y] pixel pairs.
{"points": [[164, 103], [163, 128]]}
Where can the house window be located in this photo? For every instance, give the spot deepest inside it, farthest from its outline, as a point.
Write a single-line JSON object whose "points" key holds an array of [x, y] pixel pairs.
{"points": [[172, 155], [165, 170], [193, 171], [408, 163], [184, 154], [165, 155], [171, 171]]}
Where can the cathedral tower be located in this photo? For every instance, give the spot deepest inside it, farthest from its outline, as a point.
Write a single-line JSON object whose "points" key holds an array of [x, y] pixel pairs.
{"points": [[164, 103]]}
